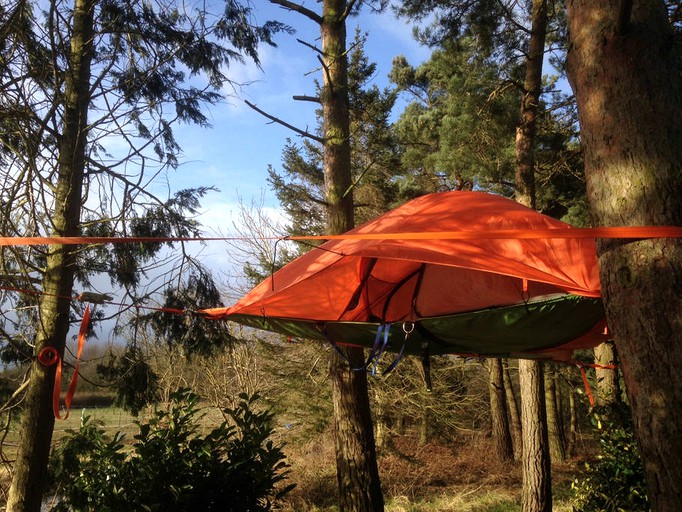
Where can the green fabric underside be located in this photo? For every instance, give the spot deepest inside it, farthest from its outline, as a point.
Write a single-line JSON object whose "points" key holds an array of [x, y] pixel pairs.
{"points": [[496, 331]]}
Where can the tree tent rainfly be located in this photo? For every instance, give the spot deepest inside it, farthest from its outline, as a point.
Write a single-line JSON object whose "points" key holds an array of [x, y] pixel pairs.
{"points": [[451, 272]]}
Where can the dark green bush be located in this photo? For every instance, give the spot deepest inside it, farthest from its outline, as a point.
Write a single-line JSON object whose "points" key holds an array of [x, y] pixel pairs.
{"points": [[171, 466], [615, 481]]}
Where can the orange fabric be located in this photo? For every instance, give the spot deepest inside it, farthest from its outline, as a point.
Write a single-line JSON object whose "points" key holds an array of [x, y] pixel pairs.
{"points": [[460, 274]]}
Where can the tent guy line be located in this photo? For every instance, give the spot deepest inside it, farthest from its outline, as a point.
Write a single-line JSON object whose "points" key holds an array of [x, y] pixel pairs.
{"points": [[623, 232]]}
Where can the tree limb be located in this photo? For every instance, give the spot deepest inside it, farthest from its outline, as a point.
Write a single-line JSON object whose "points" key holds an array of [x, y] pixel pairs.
{"points": [[313, 99], [349, 8], [311, 46], [326, 72], [291, 127], [291, 6]]}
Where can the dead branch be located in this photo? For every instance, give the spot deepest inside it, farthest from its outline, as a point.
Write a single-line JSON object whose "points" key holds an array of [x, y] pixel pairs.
{"points": [[313, 99], [277, 120], [291, 6]]}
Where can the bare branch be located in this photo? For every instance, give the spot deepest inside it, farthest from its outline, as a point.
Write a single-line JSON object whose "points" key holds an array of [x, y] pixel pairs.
{"points": [[330, 82], [313, 99], [283, 123], [311, 46], [291, 6]]}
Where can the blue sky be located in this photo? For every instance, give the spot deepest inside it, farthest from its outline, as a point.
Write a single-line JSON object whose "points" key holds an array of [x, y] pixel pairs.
{"points": [[234, 155]]}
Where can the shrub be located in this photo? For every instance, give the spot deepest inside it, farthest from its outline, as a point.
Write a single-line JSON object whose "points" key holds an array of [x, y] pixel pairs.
{"points": [[171, 466], [615, 481]]}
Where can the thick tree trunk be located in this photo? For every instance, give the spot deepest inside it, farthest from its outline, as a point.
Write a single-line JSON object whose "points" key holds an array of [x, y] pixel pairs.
{"points": [[536, 495], [37, 423], [502, 439], [608, 390], [555, 434], [514, 415], [356, 465], [624, 66]]}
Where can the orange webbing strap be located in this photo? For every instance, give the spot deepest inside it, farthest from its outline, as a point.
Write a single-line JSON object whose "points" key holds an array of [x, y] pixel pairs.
{"points": [[586, 383], [588, 390], [49, 356], [634, 232]]}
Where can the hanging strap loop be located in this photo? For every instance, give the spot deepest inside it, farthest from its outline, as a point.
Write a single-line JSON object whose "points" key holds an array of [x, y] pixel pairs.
{"points": [[49, 356]]}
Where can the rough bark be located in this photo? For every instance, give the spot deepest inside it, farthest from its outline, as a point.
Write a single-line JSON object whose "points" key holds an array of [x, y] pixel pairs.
{"points": [[37, 424], [555, 434], [608, 390], [532, 87], [536, 495], [356, 465], [514, 415], [624, 66], [501, 432]]}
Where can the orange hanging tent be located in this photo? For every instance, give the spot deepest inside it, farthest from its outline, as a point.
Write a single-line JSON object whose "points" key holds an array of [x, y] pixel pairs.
{"points": [[465, 293]]}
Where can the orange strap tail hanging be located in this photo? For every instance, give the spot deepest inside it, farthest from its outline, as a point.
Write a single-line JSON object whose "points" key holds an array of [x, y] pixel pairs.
{"points": [[588, 390], [49, 356]]}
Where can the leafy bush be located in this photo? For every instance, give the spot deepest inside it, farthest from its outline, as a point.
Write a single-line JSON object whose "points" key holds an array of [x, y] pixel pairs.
{"points": [[171, 466], [615, 481]]}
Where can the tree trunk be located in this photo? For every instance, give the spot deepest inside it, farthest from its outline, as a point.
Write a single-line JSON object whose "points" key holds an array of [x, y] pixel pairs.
{"points": [[608, 390], [356, 465], [557, 444], [624, 66], [572, 428], [537, 486], [37, 423], [536, 495], [514, 416], [532, 87], [498, 411]]}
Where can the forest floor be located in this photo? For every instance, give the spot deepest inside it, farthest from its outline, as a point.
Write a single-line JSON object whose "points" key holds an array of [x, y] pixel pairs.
{"points": [[463, 477]]}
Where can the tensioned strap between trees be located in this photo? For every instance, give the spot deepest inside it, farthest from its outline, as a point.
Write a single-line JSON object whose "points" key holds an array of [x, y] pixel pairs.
{"points": [[622, 232]]}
